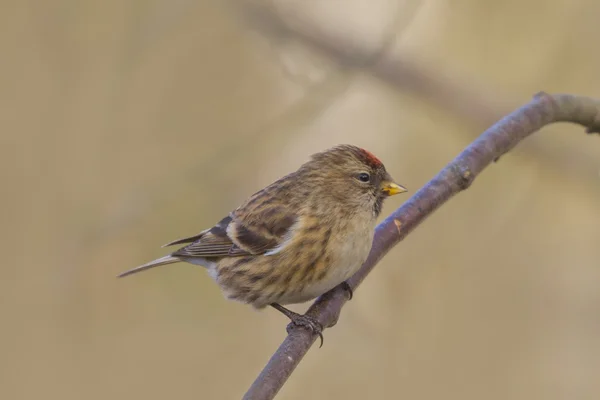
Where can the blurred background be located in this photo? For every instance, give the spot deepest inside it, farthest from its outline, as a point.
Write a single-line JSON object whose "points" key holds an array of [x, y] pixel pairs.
{"points": [[126, 124]]}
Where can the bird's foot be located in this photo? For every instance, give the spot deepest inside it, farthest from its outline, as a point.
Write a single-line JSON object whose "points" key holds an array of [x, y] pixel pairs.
{"points": [[346, 286], [308, 322], [305, 321]]}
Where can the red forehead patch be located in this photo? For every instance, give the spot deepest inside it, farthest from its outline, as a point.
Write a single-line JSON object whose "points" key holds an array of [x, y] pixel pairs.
{"points": [[371, 159]]}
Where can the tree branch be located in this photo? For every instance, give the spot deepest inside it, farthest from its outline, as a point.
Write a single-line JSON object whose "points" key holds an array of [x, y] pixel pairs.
{"points": [[477, 103], [457, 176]]}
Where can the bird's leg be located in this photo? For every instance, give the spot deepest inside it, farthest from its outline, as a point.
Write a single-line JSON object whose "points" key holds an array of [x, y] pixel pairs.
{"points": [[346, 286], [301, 320]]}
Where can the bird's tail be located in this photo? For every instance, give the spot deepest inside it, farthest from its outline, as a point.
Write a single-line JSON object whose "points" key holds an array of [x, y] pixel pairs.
{"points": [[159, 261]]}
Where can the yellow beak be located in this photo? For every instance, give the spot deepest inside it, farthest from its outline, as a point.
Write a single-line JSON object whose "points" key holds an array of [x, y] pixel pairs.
{"points": [[391, 188]]}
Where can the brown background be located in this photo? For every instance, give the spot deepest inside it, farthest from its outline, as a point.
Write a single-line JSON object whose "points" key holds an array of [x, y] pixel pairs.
{"points": [[126, 124]]}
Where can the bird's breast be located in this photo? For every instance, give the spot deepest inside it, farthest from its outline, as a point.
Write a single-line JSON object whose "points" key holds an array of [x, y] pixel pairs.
{"points": [[347, 250]]}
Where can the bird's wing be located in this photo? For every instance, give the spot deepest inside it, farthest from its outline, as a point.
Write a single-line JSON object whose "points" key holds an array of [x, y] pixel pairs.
{"points": [[187, 239], [244, 232], [214, 242]]}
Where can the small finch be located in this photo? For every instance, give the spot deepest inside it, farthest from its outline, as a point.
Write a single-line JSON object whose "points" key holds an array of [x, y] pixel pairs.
{"points": [[297, 238]]}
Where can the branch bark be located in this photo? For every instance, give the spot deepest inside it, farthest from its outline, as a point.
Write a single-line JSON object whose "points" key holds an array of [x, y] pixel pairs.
{"points": [[457, 176]]}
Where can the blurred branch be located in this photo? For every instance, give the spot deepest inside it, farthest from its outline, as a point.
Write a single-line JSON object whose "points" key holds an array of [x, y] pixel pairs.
{"points": [[275, 29], [457, 94], [457, 176]]}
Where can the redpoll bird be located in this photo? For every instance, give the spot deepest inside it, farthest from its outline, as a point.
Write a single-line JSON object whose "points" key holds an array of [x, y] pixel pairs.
{"points": [[297, 238]]}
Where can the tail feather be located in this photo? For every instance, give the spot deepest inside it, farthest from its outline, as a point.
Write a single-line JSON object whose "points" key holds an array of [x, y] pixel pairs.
{"points": [[159, 261], [186, 240]]}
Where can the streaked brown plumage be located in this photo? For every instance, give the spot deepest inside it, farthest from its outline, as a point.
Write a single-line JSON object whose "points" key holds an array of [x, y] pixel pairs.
{"points": [[297, 238]]}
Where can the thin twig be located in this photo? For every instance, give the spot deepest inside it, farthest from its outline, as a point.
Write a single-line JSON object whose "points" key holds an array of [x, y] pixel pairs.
{"points": [[457, 176]]}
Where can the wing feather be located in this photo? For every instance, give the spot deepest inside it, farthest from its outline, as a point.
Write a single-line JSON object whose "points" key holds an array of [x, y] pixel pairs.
{"points": [[235, 236], [258, 226]]}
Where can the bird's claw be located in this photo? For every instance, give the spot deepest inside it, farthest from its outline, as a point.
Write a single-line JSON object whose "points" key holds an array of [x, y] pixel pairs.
{"points": [[307, 322], [346, 286]]}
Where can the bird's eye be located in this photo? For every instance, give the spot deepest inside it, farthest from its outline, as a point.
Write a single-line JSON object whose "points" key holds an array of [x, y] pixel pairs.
{"points": [[364, 177]]}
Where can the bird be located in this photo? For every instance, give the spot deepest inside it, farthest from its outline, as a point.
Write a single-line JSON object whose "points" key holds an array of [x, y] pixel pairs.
{"points": [[297, 238]]}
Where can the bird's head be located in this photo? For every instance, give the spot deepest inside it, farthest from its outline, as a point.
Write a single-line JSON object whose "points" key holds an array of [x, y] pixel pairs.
{"points": [[352, 176]]}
